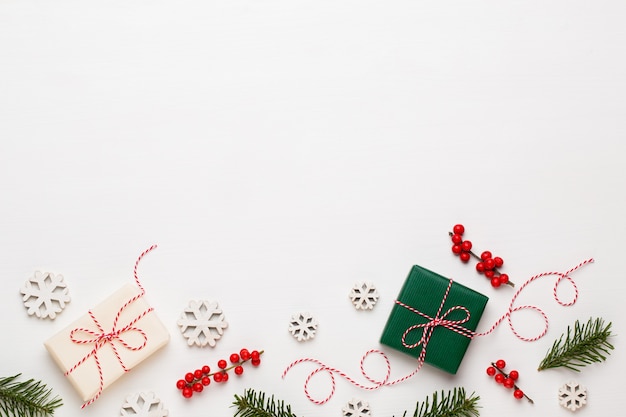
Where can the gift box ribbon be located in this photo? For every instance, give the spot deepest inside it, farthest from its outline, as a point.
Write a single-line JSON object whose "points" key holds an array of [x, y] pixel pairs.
{"points": [[100, 338], [433, 322]]}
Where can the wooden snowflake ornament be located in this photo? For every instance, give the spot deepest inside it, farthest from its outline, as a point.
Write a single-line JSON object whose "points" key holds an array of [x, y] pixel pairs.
{"points": [[45, 295], [364, 296], [143, 404], [302, 326], [202, 323], [572, 396], [357, 408]]}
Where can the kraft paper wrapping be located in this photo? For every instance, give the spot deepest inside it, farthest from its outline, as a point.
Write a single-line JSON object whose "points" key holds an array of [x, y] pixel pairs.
{"points": [[85, 378]]}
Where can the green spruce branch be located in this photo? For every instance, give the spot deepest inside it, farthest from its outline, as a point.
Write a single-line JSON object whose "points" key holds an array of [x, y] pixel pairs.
{"points": [[26, 399], [452, 404], [580, 346], [253, 404]]}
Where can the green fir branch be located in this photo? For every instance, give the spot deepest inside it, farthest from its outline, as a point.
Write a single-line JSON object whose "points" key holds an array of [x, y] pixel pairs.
{"points": [[26, 399], [587, 343], [452, 404], [253, 404]]}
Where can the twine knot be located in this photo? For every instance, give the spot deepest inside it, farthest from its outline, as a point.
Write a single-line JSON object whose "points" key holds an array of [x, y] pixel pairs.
{"points": [[434, 322]]}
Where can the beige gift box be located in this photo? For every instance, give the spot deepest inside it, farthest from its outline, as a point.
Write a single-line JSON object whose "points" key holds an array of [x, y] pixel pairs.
{"points": [[85, 376]]}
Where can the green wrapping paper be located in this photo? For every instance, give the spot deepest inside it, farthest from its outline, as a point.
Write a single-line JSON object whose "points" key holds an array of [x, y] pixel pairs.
{"points": [[424, 290]]}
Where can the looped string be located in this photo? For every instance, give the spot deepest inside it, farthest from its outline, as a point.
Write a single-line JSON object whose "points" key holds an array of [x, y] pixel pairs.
{"points": [[562, 276], [101, 337], [322, 367], [427, 330]]}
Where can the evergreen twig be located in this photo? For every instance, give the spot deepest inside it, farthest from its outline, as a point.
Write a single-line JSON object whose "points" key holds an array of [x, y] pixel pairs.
{"points": [[587, 343], [26, 399], [253, 404], [452, 404]]}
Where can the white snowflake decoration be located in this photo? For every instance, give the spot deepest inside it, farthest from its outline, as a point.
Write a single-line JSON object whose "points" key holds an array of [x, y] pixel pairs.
{"points": [[303, 326], [364, 296], [202, 323], [357, 408], [143, 404], [45, 295], [572, 396]]}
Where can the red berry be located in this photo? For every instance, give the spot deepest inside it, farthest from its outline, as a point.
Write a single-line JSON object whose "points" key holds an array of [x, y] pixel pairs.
{"points": [[480, 267], [239, 370], [458, 229], [224, 377], [465, 257], [255, 355], [234, 358], [489, 264], [491, 371], [180, 384], [495, 282], [499, 378], [218, 377], [198, 387], [457, 239], [504, 278], [466, 246], [187, 392], [222, 364], [514, 375], [485, 255], [500, 364], [456, 249], [206, 380], [206, 369], [197, 374], [519, 394], [499, 262], [189, 377], [245, 355], [255, 362], [489, 274], [508, 383]]}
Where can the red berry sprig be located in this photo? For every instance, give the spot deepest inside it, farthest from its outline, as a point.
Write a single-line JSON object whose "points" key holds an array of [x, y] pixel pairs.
{"points": [[507, 380], [487, 264], [196, 381]]}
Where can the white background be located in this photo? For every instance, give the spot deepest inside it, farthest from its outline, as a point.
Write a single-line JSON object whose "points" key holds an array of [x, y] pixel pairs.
{"points": [[280, 151]]}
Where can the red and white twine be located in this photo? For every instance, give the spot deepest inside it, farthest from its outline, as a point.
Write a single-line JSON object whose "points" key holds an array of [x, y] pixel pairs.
{"points": [[562, 276], [101, 337], [427, 329]]}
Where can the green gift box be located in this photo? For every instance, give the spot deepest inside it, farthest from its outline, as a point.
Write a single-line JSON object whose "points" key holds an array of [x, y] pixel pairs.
{"points": [[417, 305]]}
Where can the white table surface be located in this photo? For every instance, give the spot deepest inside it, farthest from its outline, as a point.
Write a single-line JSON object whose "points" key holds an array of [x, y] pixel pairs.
{"points": [[280, 151]]}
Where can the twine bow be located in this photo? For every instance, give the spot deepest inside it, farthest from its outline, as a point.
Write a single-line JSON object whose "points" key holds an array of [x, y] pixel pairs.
{"points": [[434, 322], [101, 338]]}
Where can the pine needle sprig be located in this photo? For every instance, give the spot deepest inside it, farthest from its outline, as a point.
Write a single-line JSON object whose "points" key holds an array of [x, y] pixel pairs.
{"points": [[253, 404], [452, 404], [26, 398], [584, 344]]}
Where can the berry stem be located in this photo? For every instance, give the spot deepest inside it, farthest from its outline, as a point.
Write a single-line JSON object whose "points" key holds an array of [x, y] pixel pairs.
{"points": [[480, 260], [515, 385], [234, 365], [223, 371]]}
